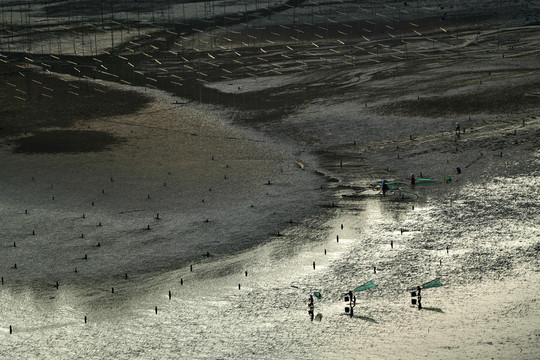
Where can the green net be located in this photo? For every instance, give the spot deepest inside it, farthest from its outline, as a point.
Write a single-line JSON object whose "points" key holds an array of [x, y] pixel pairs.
{"points": [[392, 185], [433, 283], [366, 286]]}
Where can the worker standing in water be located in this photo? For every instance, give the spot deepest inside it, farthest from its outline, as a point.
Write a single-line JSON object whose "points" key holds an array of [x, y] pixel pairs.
{"points": [[352, 302], [413, 179]]}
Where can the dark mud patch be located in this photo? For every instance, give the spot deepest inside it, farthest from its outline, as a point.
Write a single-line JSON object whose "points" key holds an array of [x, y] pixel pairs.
{"points": [[499, 100], [31, 100], [66, 141]]}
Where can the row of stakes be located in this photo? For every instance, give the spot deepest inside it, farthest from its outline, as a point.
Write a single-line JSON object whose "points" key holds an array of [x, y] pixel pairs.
{"points": [[191, 270], [126, 275], [57, 286], [148, 197], [208, 254]]}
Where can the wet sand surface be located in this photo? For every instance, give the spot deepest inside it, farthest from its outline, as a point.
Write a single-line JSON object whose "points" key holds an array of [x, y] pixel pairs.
{"points": [[277, 178]]}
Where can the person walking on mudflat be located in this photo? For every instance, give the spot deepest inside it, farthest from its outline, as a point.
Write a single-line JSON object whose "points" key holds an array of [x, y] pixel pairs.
{"points": [[384, 187]]}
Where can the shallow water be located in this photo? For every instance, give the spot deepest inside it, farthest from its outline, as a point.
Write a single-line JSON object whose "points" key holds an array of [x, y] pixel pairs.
{"points": [[487, 307], [492, 236]]}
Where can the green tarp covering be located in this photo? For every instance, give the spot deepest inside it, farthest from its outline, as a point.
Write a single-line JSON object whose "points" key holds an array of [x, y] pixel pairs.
{"points": [[366, 286], [432, 284], [317, 295]]}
